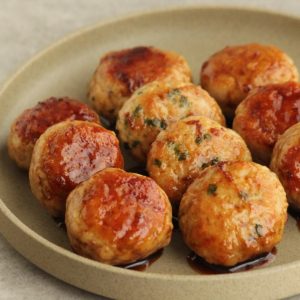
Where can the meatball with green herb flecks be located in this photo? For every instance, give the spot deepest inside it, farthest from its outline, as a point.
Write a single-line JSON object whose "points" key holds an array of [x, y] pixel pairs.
{"points": [[230, 74], [122, 72], [155, 106], [233, 212], [181, 152]]}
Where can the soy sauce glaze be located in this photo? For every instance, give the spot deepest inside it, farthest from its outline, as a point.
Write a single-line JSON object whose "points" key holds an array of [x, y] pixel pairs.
{"points": [[295, 213], [142, 265], [201, 266]]}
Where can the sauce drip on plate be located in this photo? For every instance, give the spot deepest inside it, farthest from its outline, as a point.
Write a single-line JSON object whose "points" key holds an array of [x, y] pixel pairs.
{"points": [[203, 267]]}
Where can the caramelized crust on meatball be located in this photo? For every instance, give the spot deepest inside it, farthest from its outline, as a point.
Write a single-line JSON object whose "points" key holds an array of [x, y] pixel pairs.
{"points": [[233, 212], [265, 114], [181, 152], [67, 154], [231, 73], [155, 106], [286, 163], [120, 73], [28, 127], [117, 217]]}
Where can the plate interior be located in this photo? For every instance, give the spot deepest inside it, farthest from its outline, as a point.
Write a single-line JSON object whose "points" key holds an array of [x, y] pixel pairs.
{"points": [[65, 70]]}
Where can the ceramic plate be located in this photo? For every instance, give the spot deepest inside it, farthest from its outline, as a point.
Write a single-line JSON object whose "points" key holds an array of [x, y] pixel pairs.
{"points": [[65, 69]]}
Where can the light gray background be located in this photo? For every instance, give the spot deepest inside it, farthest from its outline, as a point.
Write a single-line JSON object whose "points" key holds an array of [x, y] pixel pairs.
{"points": [[27, 27]]}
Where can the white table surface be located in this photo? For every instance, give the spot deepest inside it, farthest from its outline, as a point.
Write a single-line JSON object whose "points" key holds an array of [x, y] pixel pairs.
{"points": [[27, 27]]}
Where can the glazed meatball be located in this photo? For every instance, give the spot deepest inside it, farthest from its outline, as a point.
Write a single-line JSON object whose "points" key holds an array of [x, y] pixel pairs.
{"points": [[231, 73], [120, 73], [233, 212], [265, 114], [117, 217], [155, 106], [179, 153], [28, 127], [65, 155], [286, 163]]}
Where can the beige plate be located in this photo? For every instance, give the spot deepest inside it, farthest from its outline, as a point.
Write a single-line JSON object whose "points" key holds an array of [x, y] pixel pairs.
{"points": [[65, 69]]}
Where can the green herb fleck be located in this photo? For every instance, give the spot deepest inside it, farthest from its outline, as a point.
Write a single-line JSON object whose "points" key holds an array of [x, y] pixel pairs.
{"points": [[163, 124], [170, 143], [258, 230], [135, 143], [182, 156], [157, 162], [136, 111], [212, 188], [176, 149], [206, 136], [205, 165], [198, 139], [152, 122], [183, 101], [243, 195], [173, 92], [214, 161]]}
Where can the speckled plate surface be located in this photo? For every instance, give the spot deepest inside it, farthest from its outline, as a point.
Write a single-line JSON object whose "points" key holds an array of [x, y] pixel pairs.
{"points": [[65, 69]]}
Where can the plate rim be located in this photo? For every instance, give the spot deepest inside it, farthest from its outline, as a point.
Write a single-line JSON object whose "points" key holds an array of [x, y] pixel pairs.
{"points": [[19, 225]]}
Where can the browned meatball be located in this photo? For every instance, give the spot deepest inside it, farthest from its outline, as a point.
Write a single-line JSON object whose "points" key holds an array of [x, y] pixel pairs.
{"points": [[233, 212], [265, 114], [67, 154], [120, 73], [286, 163], [117, 217], [28, 127], [231, 73], [185, 148], [155, 106]]}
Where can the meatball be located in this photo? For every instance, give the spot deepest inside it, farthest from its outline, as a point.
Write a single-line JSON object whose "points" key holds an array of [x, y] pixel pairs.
{"points": [[265, 114], [117, 217], [28, 127], [120, 73], [155, 106], [67, 154], [179, 153], [286, 163], [231, 73], [233, 212]]}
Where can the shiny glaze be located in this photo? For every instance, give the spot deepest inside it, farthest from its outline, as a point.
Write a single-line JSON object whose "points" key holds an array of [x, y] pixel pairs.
{"points": [[221, 226], [136, 66], [240, 67], [203, 267], [124, 208], [80, 150], [143, 264], [271, 110], [33, 122], [289, 170]]}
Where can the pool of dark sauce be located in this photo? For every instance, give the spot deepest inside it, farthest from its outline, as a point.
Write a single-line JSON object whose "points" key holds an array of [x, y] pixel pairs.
{"points": [[201, 266], [175, 222], [138, 170], [295, 213], [60, 222], [143, 264]]}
